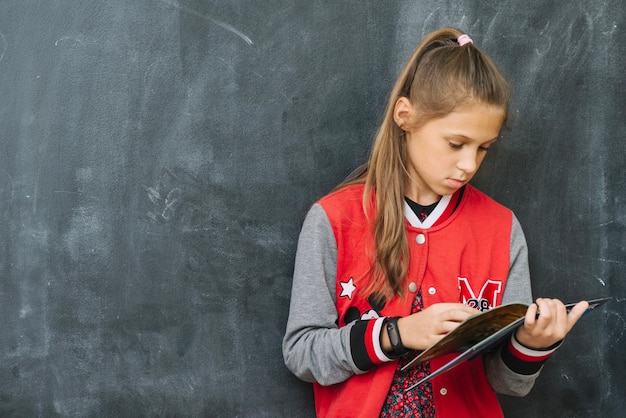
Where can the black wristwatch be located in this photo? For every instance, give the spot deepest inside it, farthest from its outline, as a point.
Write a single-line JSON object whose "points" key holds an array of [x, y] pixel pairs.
{"points": [[397, 349]]}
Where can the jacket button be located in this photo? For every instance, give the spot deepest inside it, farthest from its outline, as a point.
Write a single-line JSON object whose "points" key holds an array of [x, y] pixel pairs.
{"points": [[420, 239], [443, 391], [432, 290], [412, 287]]}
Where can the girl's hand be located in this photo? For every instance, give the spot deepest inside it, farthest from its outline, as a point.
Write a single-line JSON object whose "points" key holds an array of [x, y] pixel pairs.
{"points": [[547, 322], [422, 329]]}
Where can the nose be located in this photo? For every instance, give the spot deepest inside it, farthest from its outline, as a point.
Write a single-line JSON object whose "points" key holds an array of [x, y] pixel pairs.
{"points": [[469, 160]]}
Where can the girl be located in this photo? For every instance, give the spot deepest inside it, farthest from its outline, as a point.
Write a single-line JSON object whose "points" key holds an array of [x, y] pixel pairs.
{"points": [[405, 249]]}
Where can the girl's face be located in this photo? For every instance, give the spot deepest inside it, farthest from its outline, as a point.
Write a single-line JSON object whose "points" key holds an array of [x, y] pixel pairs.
{"points": [[445, 153]]}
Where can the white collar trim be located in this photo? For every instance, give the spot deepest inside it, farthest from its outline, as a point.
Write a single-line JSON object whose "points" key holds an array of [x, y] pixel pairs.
{"points": [[432, 218]]}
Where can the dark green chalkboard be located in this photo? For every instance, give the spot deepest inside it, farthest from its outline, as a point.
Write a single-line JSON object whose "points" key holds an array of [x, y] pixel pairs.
{"points": [[158, 156]]}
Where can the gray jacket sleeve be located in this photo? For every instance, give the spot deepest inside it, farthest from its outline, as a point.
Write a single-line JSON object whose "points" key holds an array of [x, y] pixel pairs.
{"points": [[502, 378], [314, 347]]}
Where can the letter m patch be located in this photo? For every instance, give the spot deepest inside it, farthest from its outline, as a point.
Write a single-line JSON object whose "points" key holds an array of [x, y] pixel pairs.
{"points": [[483, 300]]}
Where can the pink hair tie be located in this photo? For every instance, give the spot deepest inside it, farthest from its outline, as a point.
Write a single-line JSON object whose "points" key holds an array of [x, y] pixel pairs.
{"points": [[464, 39]]}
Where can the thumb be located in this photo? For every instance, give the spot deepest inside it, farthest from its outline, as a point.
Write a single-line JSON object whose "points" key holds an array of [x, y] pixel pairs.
{"points": [[576, 313]]}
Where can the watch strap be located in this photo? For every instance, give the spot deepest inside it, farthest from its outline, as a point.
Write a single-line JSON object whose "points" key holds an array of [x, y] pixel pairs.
{"points": [[397, 349]]}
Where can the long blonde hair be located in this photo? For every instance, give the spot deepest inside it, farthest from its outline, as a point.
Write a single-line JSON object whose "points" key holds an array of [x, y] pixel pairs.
{"points": [[439, 77]]}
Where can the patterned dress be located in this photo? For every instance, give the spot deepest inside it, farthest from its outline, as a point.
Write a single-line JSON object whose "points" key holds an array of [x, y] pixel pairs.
{"points": [[417, 402]]}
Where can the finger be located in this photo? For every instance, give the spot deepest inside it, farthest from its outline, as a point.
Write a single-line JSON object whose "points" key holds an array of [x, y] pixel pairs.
{"points": [[461, 314], [547, 310], [454, 312], [470, 310], [457, 306], [449, 326], [531, 314], [576, 313], [560, 314]]}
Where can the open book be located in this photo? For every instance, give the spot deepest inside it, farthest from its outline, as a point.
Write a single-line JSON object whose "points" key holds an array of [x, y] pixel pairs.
{"points": [[479, 333]]}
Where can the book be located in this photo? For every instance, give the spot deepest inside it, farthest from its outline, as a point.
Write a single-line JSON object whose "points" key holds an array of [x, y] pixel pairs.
{"points": [[479, 333]]}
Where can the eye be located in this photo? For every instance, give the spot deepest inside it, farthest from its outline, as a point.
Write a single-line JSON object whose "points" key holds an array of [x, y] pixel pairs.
{"points": [[455, 145], [483, 149]]}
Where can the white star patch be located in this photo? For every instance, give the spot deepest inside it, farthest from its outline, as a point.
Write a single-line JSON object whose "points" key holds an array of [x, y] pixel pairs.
{"points": [[347, 288]]}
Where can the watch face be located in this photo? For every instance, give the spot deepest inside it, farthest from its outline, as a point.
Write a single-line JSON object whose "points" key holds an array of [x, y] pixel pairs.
{"points": [[394, 338]]}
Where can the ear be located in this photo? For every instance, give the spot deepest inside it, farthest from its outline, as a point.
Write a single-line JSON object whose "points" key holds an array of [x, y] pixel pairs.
{"points": [[402, 112]]}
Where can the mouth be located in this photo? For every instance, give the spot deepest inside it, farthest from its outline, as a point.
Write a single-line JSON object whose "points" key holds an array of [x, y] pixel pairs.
{"points": [[456, 183]]}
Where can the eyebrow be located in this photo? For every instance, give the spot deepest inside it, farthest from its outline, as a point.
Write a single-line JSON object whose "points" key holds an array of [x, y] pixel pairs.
{"points": [[467, 138]]}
